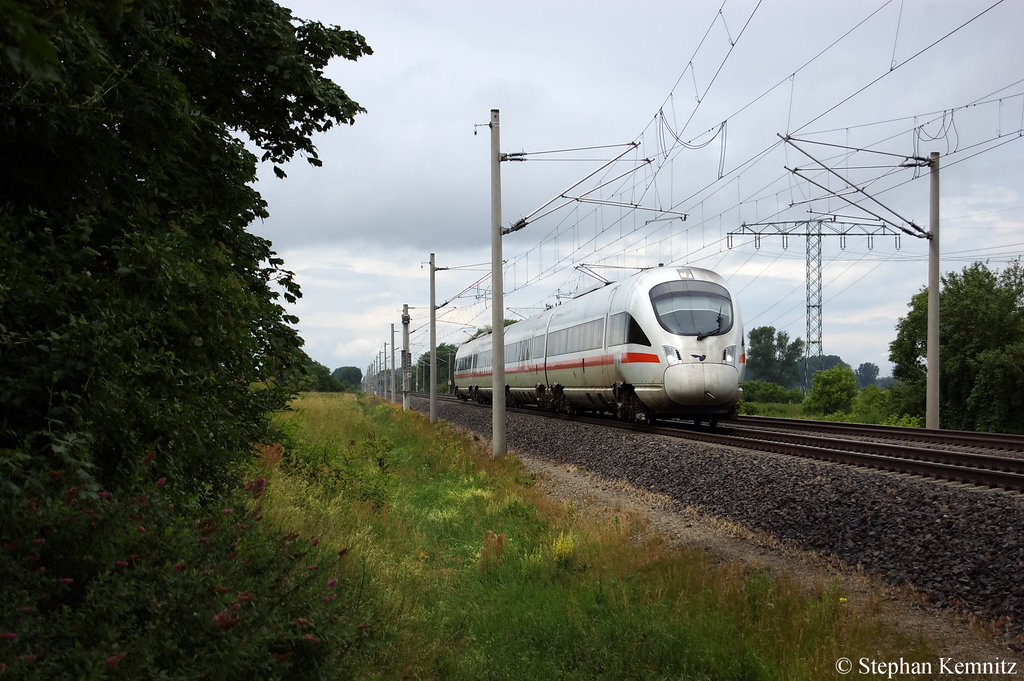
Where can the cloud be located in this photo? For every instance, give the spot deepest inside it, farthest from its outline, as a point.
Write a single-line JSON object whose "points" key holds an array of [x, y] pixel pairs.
{"points": [[411, 178]]}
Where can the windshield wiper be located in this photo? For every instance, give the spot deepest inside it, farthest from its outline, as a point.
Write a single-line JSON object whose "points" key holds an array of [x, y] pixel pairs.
{"points": [[702, 336]]}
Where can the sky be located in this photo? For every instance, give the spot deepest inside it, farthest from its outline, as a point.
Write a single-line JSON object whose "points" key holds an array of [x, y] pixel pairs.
{"points": [[696, 100]]}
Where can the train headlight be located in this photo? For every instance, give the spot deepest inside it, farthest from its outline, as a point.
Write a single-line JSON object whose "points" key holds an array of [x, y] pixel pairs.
{"points": [[671, 355], [729, 355]]}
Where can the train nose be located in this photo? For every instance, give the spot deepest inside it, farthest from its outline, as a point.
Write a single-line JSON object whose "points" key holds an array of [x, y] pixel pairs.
{"points": [[702, 384]]}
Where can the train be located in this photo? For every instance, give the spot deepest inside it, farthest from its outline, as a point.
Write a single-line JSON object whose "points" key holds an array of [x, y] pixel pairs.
{"points": [[665, 343]]}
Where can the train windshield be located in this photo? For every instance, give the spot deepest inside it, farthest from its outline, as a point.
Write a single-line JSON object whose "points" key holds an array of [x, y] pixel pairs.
{"points": [[692, 308]]}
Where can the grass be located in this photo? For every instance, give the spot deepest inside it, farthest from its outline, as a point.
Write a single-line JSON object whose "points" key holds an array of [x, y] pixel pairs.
{"points": [[473, 573]]}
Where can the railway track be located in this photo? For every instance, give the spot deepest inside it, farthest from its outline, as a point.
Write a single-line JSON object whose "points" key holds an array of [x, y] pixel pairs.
{"points": [[970, 458]]}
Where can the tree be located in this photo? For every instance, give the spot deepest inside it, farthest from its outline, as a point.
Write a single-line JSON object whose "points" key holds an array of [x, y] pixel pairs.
{"points": [[832, 391], [486, 329], [772, 357], [824, 362], [136, 311], [867, 374], [351, 378], [445, 367], [980, 331], [321, 380]]}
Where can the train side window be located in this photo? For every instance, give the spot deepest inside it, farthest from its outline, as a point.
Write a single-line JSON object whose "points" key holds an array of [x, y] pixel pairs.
{"points": [[622, 329], [538, 346], [518, 351]]}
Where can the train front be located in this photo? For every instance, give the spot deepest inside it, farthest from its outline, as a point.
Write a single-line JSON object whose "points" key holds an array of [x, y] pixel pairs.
{"points": [[703, 344]]}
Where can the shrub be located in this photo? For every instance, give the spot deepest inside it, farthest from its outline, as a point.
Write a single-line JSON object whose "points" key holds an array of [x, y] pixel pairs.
{"points": [[871, 405], [763, 391], [832, 390], [148, 583]]}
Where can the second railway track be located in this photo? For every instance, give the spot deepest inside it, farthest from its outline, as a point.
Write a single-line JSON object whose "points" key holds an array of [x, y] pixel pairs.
{"points": [[934, 454]]}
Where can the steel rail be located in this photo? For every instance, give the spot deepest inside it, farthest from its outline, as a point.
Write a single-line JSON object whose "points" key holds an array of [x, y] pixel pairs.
{"points": [[1004, 441]]}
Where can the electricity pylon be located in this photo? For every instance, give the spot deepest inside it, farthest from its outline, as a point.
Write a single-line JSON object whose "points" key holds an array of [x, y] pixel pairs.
{"points": [[813, 230]]}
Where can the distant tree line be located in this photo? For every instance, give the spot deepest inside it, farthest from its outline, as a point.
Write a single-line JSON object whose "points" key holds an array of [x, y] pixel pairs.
{"points": [[321, 379], [981, 336]]}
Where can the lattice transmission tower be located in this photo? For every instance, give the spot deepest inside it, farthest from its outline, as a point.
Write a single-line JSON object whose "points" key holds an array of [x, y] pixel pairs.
{"points": [[813, 231]]}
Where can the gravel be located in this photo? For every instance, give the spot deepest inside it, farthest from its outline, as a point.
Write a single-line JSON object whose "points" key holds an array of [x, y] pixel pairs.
{"points": [[957, 547]]}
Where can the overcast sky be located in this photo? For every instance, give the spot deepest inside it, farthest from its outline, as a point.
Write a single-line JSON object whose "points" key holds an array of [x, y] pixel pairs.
{"points": [[705, 90]]}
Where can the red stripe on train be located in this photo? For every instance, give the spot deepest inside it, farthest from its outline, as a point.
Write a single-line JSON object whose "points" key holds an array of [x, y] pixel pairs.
{"points": [[603, 360]]}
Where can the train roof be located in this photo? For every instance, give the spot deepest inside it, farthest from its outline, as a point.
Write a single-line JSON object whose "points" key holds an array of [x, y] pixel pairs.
{"points": [[645, 279]]}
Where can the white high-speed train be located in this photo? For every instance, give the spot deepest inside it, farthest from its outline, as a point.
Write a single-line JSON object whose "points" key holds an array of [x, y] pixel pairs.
{"points": [[667, 342]]}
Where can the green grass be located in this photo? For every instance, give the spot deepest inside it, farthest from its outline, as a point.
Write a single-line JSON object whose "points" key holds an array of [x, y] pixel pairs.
{"points": [[474, 573]]}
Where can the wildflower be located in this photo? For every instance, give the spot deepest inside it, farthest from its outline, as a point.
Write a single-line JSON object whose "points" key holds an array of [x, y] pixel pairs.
{"points": [[256, 487], [180, 567], [141, 529], [310, 637], [244, 596], [315, 541], [160, 482], [154, 603], [104, 495], [121, 563], [331, 583], [67, 580], [342, 552], [232, 555], [227, 511], [223, 589], [302, 621], [73, 492], [204, 540], [55, 475], [362, 626], [312, 567], [148, 459], [114, 659], [144, 501], [209, 529], [235, 606], [224, 621], [283, 657], [8, 637]]}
